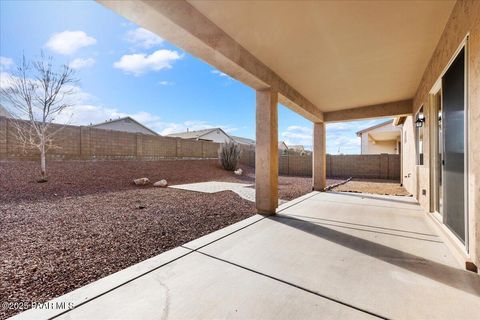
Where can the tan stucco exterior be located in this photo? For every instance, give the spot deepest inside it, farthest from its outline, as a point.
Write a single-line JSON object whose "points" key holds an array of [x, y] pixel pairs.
{"points": [[266, 154], [464, 21], [319, 156], [382, 138], [126, 124]]}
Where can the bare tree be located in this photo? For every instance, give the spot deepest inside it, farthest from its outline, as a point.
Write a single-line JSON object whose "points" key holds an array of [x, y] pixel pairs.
{"points": [[36, 95]]}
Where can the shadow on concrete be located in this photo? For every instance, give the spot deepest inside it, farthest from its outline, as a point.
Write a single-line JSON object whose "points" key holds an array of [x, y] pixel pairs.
{"points": [[362, 225], [371, 231], [372, 196], [456, 278]]}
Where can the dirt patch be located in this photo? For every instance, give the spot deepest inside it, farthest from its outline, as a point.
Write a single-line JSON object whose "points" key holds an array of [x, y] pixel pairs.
{"points": [[377, 186]]}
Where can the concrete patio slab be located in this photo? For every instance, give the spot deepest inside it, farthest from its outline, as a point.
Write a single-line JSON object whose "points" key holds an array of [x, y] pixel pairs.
{"points": [[374, 254], [100, 287], [325, 255], [244, 190], [199, 287], [219, 234]]}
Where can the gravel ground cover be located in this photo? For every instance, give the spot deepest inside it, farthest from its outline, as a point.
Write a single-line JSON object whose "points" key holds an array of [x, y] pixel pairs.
{"points": [[377, 186], [76, 178], [50, 247], [89, 220]]}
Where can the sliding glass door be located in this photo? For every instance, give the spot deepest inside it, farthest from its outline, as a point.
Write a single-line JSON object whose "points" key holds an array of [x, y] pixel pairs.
{"points": [[453, 151]]}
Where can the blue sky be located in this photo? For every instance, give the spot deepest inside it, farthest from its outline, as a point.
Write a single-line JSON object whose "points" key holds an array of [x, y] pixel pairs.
{"points": [[126, 70]]}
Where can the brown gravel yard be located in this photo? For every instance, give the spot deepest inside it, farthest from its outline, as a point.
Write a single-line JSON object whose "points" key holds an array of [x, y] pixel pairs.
{"points": [[89, 220], [377, 186]]}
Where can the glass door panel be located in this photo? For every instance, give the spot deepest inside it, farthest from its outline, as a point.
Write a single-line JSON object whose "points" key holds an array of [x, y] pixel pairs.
{"points": [[453, 131]]}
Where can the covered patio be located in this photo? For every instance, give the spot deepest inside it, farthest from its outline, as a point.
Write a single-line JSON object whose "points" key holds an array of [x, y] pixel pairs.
{"points": [[325, 255]]}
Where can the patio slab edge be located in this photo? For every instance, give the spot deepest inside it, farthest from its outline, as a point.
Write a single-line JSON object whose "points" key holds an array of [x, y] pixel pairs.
{"points": [[82, 295], [219, 234]]}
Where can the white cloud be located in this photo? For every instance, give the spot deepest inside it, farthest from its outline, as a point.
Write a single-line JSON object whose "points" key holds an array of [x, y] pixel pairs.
{"points": [[297, 135], [76, 96], [85, 111], [227, 80], [5, 80], [6, 63], [343, 144], [140, 63], [342, 138], [67, 42], [143, 38], [220, 73], [85, 114], [165, 83], [81, 63]]}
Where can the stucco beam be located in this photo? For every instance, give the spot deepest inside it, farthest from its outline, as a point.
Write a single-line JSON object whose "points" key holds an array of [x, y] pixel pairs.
{"points": [[182, 24], [389, 109]]}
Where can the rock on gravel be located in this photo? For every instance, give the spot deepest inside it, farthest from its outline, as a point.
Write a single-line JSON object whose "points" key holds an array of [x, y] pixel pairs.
{"points": [[141, 181], [162, 183], [238, 172]]}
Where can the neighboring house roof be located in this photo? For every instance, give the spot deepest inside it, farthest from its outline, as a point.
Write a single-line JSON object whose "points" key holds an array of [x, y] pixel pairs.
{"points": [[282, 143], [121, 120], [196, 134], [399, 121], [242, 140], [374, 127], [297, 147], [4, 112]]}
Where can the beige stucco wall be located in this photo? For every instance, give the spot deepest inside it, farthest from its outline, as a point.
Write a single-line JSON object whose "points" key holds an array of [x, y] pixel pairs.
{"points": [[124, 125], [464, 20], [216, 136], [379, 140], [369, 147], [409, 169]]}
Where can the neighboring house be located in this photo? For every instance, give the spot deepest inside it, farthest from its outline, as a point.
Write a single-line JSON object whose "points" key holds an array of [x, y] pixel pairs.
{"points": [[126, 124], [296, 148], [212, 134], [4, 112], [282, 147], [244, 141], [380, 138]]}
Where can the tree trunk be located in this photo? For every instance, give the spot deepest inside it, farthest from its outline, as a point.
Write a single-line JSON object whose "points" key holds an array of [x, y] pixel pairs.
{"points": [[43, 169]]}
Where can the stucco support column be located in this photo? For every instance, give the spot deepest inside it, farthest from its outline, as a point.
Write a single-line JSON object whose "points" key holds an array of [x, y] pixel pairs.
{"points": [[266, 153], [319, 157]]}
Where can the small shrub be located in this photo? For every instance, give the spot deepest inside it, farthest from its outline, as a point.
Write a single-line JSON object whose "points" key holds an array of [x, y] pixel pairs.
{"points": [[229, 155]]}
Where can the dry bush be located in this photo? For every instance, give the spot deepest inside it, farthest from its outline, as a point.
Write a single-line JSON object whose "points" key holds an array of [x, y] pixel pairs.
{"points": [[229, 155]]}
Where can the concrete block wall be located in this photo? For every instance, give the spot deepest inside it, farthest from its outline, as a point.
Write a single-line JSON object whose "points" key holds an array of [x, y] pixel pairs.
{"points": [[189, 149], [87, 143], [383, 166]]}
